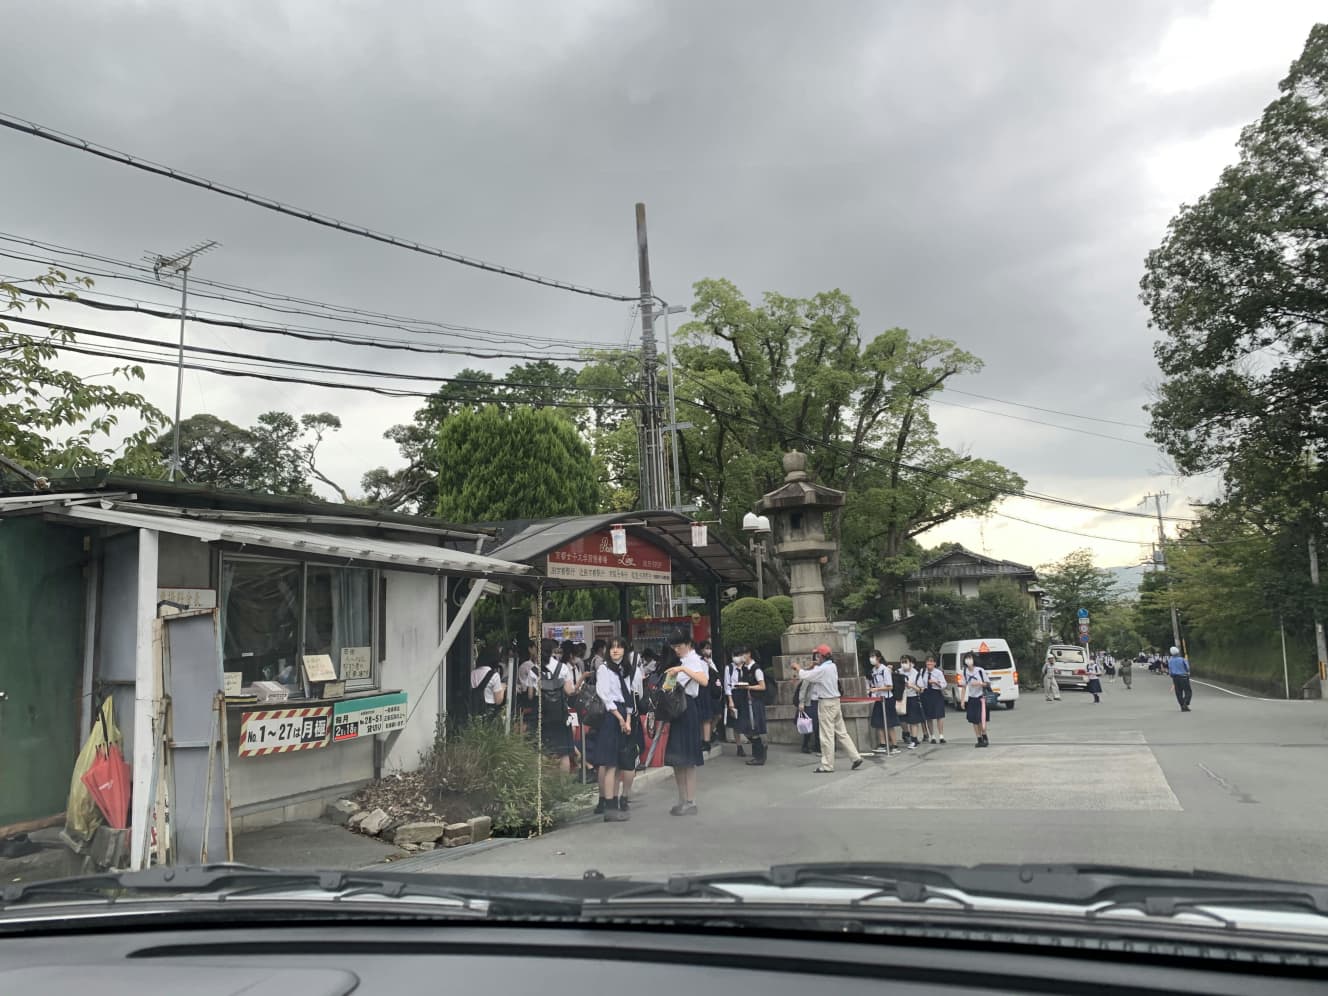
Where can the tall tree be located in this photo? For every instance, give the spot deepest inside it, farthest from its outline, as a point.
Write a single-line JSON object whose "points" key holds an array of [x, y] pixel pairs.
{"points": [[1071, 584], [1237, 291], [521, 463], [278, 455], [52, 419]]}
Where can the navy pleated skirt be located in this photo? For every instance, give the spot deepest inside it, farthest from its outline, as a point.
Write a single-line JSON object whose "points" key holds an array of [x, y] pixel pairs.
{"points": [[684, 746]]}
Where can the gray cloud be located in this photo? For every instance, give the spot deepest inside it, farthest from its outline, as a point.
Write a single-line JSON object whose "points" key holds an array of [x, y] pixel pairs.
{"points": [[967, 170]]}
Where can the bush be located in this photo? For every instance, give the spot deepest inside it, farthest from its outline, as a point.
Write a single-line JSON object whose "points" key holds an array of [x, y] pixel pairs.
{"points": [[751, 621], [481, 769], [785, 606]]}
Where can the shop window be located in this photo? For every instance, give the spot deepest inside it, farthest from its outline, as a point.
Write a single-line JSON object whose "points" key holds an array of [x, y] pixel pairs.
{"points": [[275, 612], [261, 616], [338, 620]]}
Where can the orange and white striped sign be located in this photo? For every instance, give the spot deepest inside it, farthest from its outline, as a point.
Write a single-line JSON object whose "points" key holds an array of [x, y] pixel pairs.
{"points": [[279, 731]]}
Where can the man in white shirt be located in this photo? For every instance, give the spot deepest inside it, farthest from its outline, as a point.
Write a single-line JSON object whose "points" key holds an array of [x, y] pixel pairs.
{"points": [[824, 679]]}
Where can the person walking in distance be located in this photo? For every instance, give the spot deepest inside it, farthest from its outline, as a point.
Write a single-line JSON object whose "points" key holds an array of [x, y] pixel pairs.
{"points": [[932, 683], [1095, 678], [976, 684], [683, 751], [1127, 672], [1049, 686], [1179, 669], [824, 674]]}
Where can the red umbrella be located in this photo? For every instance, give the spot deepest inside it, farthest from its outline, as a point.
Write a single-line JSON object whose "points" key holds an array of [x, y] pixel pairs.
{"points": [[107, 779]]}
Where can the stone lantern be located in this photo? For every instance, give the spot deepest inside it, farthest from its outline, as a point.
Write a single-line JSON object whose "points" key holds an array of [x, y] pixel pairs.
{"points": [[797, 511]]}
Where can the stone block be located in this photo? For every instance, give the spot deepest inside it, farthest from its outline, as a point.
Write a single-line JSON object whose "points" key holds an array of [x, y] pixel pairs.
{"points": [[428, 845], [481, 828], [375, 823], [341, 811], [456, 834], [418, 832], [357, 818]]}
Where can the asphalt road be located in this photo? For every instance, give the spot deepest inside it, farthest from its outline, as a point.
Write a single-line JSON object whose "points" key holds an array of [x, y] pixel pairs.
{"points": [[1238, 785]]}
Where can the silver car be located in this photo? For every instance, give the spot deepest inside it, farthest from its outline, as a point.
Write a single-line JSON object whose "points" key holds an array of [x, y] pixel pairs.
{"points": [[1071, 665]]}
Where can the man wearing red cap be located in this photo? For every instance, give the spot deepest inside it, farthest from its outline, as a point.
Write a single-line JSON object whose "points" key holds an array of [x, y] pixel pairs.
{"points": [[824, 677]]}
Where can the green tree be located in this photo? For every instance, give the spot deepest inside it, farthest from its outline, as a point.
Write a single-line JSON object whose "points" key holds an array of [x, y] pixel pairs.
{"points": [[51, 419], [784, 605], [278, 455], [1116, 629], [524, 463], [1074, 583], [1236, 290], [940, 616], [1002, 610], [751, 621]]}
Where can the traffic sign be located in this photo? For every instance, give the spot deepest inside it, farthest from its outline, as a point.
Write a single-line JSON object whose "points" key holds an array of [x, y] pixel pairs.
{"points": [[1083, 613]]}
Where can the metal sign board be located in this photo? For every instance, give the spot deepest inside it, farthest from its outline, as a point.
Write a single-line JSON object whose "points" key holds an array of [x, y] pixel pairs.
{"points": [[591, 558], [369, 716], [1083, 613], [279, 731]]}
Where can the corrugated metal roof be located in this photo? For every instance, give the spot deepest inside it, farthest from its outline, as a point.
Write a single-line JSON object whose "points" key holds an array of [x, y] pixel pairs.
{"points": [[353, 549], [671, 531]]}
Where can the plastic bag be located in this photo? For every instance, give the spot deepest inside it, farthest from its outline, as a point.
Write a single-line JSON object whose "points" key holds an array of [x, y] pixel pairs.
{"points": [[805, 725], [82, 817]]}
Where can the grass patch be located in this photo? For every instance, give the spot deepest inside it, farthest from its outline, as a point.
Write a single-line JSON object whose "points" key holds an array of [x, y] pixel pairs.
{"points": [[483, 770]]}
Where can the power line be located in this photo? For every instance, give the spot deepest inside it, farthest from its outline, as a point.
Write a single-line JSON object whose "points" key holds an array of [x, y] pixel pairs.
{"points": [[325, 311], [296, 332], [1050, 425], [875, 458], [125, 159], [1059, 529], [1049, 411], [282, 362]]}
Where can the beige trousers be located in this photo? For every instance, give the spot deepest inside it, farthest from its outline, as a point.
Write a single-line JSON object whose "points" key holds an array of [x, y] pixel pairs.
{"points": [[833, 729]]}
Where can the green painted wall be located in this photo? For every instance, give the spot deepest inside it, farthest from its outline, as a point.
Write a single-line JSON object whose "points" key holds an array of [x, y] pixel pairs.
{"points": [[41, 665]]}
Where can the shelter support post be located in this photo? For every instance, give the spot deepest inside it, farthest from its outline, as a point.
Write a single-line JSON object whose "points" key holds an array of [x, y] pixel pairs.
{"points": [[145, 693]]}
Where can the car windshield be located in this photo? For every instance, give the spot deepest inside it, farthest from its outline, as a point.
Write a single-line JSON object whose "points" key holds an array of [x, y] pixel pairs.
{"points": [[551, 440]]}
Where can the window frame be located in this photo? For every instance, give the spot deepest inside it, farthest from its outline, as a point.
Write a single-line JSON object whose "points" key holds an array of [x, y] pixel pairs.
{"points": [[377, 612]]}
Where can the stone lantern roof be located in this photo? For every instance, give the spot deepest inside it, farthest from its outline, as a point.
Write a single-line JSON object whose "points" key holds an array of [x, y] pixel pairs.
{"points": [[798, 490]]}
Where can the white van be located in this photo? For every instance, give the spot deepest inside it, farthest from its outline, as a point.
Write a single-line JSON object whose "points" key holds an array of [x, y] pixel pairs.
{"points": [[991, 654], [1070, 664]]}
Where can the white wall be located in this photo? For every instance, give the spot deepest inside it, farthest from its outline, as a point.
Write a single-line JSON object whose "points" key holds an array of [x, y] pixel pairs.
{"points": [[413, 634]]}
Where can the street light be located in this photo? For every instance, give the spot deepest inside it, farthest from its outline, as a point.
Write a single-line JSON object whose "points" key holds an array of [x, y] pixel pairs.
{"points": [[757, 528]]}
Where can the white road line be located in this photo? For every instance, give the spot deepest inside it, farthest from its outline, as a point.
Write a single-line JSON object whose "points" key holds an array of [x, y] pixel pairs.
{"points": [[1239, 695]]}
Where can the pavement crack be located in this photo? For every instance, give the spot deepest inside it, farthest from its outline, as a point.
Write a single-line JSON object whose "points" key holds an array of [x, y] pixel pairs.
{"points": [[1235, 792]]}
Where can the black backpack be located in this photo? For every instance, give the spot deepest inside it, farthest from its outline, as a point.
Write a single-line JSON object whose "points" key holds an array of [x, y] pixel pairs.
{"points": [[771, 693], [551, 691], [478, 707]]}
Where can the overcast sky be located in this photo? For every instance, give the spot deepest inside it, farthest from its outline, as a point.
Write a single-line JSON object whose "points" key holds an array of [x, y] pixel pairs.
{"points": [[984, 171]]}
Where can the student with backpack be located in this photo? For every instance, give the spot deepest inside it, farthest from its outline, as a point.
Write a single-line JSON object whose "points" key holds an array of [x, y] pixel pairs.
{"points": [[487, 690], [733, 675], [705, 702], [879, 687], [630, 665], [558, 683], [976, 685], [754, 687], [913, 718]]}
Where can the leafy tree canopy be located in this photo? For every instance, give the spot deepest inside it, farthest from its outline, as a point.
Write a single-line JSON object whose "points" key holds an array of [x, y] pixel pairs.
{"points": [[1071, 584], [522, 463], [1237, 291], [52, 419]]}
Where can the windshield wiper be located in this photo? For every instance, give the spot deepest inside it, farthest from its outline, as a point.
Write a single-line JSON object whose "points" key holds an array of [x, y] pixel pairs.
{"points": [[481, 897]]}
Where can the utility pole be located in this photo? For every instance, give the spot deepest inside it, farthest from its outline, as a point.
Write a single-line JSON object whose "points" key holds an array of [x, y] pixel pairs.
{"points": [[1162, 546], [652, 455], [178, 263], [1320, 646]]}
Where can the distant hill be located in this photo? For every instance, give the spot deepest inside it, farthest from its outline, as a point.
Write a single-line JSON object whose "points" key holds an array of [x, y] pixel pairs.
{"points": [[1127, 580]]}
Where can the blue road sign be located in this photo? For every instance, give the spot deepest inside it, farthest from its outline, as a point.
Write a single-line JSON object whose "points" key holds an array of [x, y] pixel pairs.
{"points": [[1083, 613]]}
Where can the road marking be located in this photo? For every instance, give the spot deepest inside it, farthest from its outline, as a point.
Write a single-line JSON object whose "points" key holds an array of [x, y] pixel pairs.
{"points": [[1241, 796], [1239, 695]]}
